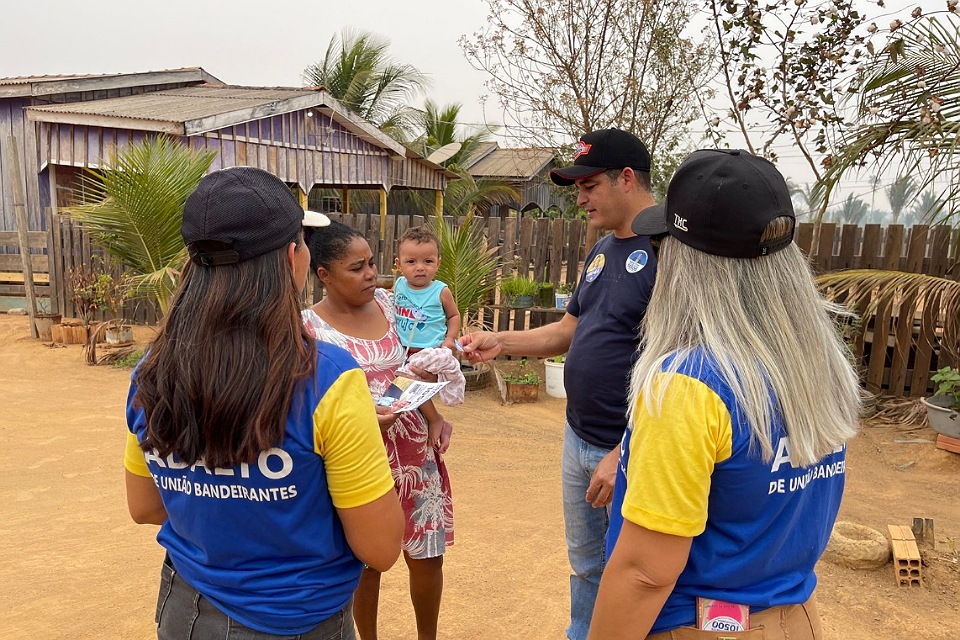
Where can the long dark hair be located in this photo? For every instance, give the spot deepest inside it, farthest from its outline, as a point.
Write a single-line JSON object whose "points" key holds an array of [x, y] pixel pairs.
{"points": [[218, 381]]}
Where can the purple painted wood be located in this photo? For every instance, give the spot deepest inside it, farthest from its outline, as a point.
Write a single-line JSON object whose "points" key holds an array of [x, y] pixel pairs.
{"points": [[214, 145]]}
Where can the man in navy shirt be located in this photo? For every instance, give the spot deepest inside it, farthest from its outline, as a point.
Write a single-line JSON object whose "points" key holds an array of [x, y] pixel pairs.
{"points": [[599, 333]]}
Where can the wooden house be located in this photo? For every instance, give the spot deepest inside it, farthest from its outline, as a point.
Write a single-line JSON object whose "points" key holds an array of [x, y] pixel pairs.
{"points": [[527, 169], [302, 135]]}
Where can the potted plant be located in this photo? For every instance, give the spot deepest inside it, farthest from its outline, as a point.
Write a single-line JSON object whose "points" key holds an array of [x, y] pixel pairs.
{"points": [[522, 386], [113, 294], [518, 291], [553, 376], [546, 294], [943, 408], [562, 296]]}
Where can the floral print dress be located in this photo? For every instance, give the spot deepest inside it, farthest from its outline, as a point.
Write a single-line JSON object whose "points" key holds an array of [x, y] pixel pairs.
{"points": [[419, 473]]}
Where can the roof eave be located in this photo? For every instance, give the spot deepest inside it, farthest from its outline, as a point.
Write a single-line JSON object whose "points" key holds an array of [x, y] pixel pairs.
{"points": [[37, 114], [120, 81]]}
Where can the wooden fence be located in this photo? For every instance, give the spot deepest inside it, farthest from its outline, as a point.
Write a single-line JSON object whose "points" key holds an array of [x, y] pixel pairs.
{"points": [[554, 250]]}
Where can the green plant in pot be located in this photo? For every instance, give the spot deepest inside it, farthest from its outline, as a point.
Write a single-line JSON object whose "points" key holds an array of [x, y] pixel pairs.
{"points": [[518, 291], [546, 294], [562, 296], [522, 385], [943, 408]]}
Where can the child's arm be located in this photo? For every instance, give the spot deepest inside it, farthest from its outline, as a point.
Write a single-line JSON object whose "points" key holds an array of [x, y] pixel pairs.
{"points": [[453, 318], [434, 422]]}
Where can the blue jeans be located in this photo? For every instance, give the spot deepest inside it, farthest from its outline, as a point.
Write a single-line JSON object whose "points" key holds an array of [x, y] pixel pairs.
{"points": [[184, 614], [586, 529]]}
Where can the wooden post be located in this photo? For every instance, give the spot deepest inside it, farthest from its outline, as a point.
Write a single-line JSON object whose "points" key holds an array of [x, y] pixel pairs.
{"points": [[345, 201], [304, 198], [12, 162], [58, 295], [383, 214], [438, 202]]}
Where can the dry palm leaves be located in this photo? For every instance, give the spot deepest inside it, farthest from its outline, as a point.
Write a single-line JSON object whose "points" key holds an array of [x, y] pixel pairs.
{"points": [[906, 413], [871, 289]]}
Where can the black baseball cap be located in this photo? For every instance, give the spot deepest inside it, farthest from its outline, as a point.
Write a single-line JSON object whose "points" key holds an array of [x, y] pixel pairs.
{"points": [[240, 213], [720, 201], [601, 150]]}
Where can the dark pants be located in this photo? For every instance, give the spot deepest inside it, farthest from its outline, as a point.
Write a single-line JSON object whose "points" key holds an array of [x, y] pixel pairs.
{"points": [[184, 614]]}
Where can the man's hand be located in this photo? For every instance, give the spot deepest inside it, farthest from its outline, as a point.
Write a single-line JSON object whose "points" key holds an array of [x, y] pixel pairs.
{"points": [[481, 346], [600, 491]]}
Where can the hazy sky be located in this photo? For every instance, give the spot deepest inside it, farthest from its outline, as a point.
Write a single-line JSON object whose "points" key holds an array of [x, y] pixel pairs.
{"points": [[267, 43], [259, 43]]}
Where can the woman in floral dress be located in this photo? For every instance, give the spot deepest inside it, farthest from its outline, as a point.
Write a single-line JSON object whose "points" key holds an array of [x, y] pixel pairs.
{"points": [[356, 315]]}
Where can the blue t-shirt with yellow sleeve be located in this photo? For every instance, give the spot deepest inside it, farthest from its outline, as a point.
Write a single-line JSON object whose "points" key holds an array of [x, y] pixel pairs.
{"points": [[758, 528], [262, 541]]}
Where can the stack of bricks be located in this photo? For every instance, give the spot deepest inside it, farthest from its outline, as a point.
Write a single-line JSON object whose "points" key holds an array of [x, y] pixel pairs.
{"points": [[906, 556]]}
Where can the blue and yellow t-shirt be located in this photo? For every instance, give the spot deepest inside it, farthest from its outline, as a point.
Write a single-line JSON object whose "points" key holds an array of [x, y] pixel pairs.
{"points": [[262, 541], [758, 528]]}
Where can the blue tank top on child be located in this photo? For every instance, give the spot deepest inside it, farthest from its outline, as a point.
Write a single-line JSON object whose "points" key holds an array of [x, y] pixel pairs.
{"points": [[421, 321]]}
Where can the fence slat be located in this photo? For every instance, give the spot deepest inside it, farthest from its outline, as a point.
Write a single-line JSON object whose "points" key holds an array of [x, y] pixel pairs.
{"points": [[848, 247], [903, 332], [870, 254], [893, 247], [926, 342], [916, 248]]}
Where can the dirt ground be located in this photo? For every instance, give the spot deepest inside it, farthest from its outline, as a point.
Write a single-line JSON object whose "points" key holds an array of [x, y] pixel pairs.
{"points": [[73, 565]]}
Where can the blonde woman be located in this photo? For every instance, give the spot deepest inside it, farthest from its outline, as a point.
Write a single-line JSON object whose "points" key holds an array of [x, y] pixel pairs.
{"points": [[732, 471]]}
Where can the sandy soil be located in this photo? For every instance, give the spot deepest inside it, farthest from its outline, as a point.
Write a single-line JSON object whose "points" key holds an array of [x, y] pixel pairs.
{"points": [[73, 565]]}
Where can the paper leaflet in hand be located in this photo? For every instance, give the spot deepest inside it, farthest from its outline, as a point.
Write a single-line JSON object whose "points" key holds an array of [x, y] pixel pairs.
{"points": [[406, 394]]}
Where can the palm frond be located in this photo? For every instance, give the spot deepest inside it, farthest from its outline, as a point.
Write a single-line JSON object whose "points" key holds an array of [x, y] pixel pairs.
{"points": [[467, 264], [909, 112], [874, 288], [138, 208]]}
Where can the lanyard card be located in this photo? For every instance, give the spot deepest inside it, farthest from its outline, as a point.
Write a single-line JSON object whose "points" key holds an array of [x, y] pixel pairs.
{"points": [[717, 615]]}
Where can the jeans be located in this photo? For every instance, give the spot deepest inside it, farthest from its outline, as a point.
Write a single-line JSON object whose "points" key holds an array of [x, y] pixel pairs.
{"points": [[586, 529], [184, 614]]}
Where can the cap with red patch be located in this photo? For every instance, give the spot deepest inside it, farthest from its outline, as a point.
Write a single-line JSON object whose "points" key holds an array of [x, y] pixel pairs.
{"points": [[599, 151]]}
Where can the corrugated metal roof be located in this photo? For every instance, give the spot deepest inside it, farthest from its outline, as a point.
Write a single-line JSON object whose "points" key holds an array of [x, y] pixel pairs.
{"points": [[178, 105], [522, 163], [79, 76]]}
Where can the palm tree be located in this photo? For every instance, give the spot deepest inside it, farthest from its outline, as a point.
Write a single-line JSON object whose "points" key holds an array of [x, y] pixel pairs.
{"points": [[357, 70], [852, 211], [899, 194], [928, 206], [909, 107], [137, 209], [807, 197], [439, 127], [469, 264]]}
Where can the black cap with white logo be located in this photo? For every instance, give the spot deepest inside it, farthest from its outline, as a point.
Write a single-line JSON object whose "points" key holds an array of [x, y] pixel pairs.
{"points": [[720, 201]]}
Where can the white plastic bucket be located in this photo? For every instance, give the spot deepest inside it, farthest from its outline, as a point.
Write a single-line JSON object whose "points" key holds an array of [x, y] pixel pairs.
{"points": [[562, 300], [554, 379]]}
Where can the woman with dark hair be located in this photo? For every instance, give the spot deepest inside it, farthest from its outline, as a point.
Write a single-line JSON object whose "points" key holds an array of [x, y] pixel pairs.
{"points": [[254, 446], [359, 317]]}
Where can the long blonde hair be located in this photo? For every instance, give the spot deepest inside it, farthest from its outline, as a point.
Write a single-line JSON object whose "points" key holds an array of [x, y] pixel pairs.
{"points": [[768, 329]]}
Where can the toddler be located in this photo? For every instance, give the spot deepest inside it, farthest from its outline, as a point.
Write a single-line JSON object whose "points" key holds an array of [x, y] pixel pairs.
{"points": [[426, 313]]}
